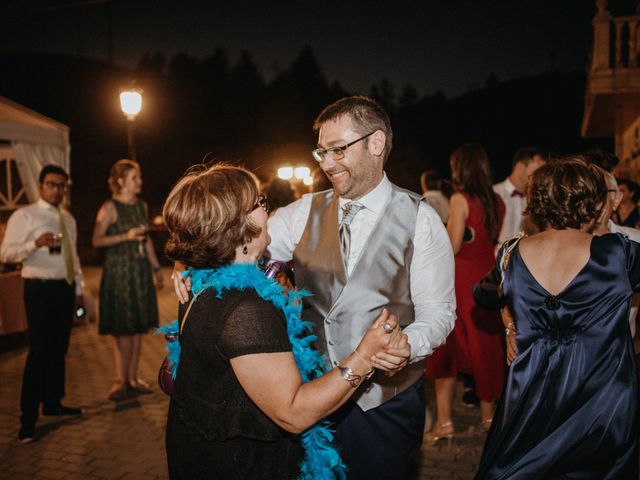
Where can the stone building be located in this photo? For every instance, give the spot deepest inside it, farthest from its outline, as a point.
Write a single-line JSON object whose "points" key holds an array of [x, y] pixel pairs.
{"points": [[612, 98]]}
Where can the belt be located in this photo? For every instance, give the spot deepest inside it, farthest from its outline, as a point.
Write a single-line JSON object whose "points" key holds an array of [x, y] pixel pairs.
{"points": [[45, 280]]}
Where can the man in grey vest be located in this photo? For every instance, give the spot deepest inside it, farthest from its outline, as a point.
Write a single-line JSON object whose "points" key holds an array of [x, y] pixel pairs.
{"points": [[364, 245]]}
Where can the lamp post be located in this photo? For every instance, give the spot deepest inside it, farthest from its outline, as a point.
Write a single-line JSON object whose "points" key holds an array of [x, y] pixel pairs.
{"points": [[131, 104]]}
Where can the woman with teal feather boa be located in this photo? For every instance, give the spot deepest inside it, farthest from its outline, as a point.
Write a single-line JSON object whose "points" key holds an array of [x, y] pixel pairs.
{"points": [[250, 393]]}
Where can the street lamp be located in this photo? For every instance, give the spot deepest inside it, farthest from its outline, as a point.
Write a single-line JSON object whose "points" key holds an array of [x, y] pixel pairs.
{"points": [[285, 173], [297, 176], [131, 104]]}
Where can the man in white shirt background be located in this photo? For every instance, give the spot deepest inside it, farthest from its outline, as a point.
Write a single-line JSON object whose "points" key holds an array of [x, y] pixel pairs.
{"points": [[397, 255], [42, 236], [430, 182], [512, 190]]}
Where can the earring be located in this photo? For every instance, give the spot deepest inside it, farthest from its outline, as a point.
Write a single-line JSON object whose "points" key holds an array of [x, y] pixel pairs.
{"points": [[245, 249]]}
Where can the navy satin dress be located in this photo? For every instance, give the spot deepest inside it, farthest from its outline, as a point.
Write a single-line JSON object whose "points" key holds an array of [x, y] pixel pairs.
{"points": [[569, 409]]}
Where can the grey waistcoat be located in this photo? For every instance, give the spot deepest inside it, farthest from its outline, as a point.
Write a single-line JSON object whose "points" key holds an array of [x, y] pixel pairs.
{"points": [[341, 309]]}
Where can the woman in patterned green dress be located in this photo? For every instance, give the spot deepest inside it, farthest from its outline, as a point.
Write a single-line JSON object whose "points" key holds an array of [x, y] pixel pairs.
{"points": [[128, 306]]}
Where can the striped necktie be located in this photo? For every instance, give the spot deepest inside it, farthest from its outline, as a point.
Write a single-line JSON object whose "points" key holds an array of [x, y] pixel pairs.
{"points": [[349, 210]]}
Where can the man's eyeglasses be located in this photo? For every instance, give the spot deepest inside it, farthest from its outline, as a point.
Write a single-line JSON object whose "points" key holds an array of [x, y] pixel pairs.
{"points": [[262, 203], [336, 153], [60, 186]]}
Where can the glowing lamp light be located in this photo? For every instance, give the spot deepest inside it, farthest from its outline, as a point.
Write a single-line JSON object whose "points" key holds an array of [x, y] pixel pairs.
{"points": [[130, 103], [302, 172], [308, 180], [285, 173]]}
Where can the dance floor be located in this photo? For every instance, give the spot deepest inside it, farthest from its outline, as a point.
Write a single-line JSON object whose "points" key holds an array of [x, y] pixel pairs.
{"points": [[125, 440]]}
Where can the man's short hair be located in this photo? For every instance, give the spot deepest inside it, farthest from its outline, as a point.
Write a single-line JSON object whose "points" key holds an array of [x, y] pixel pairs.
{"points": [[47, 169], [633, 187], [367, 116], [525, 155]]}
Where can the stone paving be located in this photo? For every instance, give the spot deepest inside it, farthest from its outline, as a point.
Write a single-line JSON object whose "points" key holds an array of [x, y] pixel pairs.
{"points": [[125, 439]]}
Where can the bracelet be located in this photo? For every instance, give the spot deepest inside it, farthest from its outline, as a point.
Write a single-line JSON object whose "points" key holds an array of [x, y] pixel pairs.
{"points": [[347, 374], [371, 371], [507, 330]]}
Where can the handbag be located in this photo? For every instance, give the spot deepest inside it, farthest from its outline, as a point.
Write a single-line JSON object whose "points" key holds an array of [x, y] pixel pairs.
{"points": [[165, 374]]}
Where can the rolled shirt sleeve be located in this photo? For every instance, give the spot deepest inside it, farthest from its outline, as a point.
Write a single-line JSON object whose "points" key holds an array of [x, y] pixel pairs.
{"points": [[432, 285]]}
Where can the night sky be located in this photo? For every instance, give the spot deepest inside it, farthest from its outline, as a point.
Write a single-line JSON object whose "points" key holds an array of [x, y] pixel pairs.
{"points": [[451, 45]]}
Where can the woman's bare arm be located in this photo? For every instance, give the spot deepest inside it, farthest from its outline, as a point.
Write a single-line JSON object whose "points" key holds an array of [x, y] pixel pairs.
{"points": [[273, 382], [108, 215], [458, 212]]}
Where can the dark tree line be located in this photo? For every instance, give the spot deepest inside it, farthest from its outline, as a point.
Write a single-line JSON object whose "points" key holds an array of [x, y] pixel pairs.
{"points": [[218, 108]]}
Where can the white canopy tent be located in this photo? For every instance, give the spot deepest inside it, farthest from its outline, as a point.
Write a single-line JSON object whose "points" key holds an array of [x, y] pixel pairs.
{"points": [[31, 141]]}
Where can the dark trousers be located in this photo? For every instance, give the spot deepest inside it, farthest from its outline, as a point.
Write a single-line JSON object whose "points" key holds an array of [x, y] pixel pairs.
{"points": [[49, 306], [382, 443]]}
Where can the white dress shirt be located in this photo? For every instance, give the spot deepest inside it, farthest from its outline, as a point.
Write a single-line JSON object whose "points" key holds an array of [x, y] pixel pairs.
{"points": [[432, 267], [19, 243], [515, 205]]}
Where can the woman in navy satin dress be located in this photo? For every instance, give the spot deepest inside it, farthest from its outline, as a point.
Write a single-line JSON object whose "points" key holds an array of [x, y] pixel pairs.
{"points": [[569, 409]]}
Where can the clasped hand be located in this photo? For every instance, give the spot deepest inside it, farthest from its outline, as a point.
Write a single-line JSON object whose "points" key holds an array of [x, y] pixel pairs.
{"points": [[393, 351], [390, 356]]}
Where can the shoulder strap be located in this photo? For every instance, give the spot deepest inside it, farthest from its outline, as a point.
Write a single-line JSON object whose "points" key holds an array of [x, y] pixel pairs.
{"points": [[504, 260], [186, 314]]}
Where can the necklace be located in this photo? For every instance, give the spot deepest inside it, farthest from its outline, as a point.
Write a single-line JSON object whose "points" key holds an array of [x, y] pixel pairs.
{"points": [[321, 460]]}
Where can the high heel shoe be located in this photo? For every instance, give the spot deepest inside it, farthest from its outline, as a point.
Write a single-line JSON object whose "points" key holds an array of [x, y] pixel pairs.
{"points": [[118, 391], [139, 387], [485, 424], [439, 432]]}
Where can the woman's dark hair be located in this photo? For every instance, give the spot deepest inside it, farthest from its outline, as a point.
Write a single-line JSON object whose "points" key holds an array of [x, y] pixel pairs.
{"points": [[430, 180], [471, 173], [280, 193], [207, 215], [566, 193]]}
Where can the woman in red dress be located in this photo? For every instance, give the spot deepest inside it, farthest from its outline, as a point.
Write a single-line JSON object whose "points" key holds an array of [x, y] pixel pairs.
{"points": [[475, 346]]}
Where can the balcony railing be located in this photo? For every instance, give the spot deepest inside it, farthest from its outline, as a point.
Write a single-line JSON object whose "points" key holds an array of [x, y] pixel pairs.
{"points": [[624, 49]]}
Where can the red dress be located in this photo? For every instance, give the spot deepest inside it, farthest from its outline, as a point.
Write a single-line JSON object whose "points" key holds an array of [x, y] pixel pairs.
{"points": [[476, 344]]}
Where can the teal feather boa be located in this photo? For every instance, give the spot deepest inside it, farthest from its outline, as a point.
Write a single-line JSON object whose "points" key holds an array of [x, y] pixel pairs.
{"points": [[321, 460]]}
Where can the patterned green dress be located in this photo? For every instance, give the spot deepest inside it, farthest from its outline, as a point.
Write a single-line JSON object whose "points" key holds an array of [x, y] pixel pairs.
{"points": [[127, 297]]}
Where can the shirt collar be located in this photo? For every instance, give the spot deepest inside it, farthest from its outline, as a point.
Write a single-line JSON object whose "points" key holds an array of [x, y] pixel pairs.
{"points": [[46, 205], [376, 199], [510, 186]]}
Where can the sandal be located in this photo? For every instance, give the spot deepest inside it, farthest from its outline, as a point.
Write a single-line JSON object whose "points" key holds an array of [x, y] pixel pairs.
{"points": [[439, 432], [140, 387], [118, 391], [486, 424]]}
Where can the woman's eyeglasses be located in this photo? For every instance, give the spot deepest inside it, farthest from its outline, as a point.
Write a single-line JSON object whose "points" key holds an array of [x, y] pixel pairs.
{"points": [[262, 203]]}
